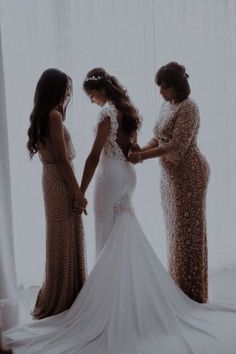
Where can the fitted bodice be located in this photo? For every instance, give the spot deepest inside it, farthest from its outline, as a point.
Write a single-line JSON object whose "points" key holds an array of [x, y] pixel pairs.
{"points": [[46, 152]]}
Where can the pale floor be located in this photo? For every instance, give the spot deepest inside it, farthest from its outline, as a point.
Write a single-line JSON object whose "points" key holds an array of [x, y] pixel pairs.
{"points": [[222, 288]]}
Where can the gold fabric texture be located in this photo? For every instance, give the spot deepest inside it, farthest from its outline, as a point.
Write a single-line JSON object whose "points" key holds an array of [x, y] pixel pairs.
{"points": [[65, 271], [184, 179]]}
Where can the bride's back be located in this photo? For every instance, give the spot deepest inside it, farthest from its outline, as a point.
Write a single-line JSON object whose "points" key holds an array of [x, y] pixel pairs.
{"points": [[122, 139]]}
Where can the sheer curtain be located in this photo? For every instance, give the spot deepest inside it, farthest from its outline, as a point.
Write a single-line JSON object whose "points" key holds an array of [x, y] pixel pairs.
{"points": [[131, 39], [8, 303]]}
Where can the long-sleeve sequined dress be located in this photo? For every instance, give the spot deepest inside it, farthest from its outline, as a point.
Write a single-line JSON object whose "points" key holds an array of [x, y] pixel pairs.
{"points": [[184, 180], [65, 252]]}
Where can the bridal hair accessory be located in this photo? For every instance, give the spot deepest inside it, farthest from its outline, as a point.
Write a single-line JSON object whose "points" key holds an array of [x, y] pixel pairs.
{"points": [[93, 78]]}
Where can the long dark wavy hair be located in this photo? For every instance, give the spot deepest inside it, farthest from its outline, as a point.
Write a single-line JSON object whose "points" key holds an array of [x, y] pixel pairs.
{"points": [[117, 94], [174, 75], [52, 89]]}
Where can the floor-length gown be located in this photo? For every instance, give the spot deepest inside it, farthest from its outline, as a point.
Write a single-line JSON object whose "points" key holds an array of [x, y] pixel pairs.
{"points": [[65, 270], [184, 180], [129, 303]]}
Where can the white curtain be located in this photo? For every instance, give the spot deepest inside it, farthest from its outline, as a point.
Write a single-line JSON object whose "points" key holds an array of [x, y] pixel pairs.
{"points": [[131, 39], [8, 303]]}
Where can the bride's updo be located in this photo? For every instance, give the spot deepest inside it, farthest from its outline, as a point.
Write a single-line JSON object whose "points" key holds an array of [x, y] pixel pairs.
{"points": [[98, 79]]}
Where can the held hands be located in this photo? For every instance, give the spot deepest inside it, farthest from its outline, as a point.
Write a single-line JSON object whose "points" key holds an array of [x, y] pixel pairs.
{"points": [[134, 155], [80, 203]]}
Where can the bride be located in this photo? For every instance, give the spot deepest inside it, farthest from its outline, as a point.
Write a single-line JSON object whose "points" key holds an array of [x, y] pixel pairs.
{"points": [[129, 304]]}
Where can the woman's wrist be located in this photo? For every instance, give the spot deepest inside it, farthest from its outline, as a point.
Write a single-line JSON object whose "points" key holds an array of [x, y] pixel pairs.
{"points": [[140, 157]]}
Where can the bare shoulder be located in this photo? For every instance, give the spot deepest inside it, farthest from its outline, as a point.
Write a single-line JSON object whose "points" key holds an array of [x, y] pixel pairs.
{"points": [[55, 118]]}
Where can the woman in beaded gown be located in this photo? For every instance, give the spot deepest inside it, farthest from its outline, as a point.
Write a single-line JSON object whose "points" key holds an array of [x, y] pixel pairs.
{"points": [[184, 180], [129, 304], [65, 255]]}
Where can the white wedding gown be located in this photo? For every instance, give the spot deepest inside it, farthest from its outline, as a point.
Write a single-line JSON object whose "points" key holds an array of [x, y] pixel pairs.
{"points": [[129, 304]]}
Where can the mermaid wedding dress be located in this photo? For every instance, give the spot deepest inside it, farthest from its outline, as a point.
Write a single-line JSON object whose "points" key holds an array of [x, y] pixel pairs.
{"points": [[129, 303]]}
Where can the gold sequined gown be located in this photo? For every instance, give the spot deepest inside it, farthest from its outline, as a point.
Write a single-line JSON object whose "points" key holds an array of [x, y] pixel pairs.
{"points": [[65, 254], [184, 179]]}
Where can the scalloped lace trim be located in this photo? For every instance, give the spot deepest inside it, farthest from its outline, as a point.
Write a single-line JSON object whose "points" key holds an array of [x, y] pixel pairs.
{"points": [[111, 148]]}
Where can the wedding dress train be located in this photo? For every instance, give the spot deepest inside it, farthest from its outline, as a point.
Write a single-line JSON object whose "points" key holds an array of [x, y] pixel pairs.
{"points": [[129, 303]]}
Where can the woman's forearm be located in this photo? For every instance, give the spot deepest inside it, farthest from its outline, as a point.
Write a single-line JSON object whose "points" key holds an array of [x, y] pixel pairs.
{"points": [[152, 153], [69, 176], [89, 170], [150, 145]]}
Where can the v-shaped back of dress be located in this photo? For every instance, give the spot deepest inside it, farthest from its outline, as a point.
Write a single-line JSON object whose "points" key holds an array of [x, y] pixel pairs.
{"points": [[115, 181], [112, 149]]}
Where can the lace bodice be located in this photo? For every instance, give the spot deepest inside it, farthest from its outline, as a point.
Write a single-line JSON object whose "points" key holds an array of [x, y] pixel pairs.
{"points": [[111, 149]]}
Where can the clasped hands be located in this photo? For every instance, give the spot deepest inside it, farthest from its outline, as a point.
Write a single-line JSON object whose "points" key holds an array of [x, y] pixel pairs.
{"points": [[134, 154], [80, 203]]}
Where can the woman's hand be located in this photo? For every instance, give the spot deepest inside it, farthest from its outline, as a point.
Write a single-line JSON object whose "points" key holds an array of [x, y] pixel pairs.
{"points": [[135, 157], [80, 203]]}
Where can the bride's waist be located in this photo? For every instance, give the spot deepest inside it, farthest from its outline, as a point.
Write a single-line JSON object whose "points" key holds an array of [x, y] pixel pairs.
{"points": [[106, 162], [116, 169]]}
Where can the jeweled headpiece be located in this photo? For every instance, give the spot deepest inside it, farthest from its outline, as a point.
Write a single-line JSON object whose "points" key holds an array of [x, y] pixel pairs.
{"points": [[93, 78]]}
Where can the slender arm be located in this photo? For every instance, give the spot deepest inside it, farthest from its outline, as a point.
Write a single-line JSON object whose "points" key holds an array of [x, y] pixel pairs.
{"points": [[153, 143], [94, 156]]}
